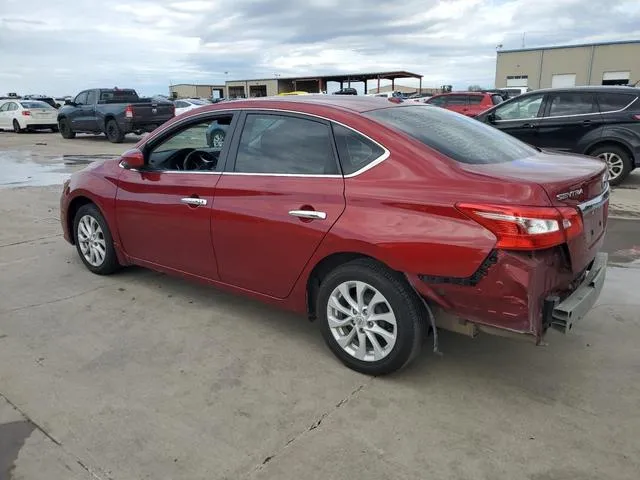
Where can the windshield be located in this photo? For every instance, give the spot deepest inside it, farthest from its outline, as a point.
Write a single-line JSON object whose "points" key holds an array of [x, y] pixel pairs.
{"points": [[459, 137], [197, 102], [35, 104]]}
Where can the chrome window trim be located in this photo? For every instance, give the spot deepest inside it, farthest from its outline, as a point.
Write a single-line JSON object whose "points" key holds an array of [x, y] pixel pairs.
{"points": [[570, 116], [385, 154], [594, 202]]}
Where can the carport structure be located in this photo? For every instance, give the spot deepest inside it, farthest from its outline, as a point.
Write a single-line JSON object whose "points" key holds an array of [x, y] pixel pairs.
{"points": [[317, 84]]}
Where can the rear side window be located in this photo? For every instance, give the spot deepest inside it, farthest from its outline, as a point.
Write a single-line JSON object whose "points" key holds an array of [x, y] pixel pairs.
{"points": [[354, 150], [572, 103], [461, 138], [610, 102], [284, 144], [475, 99]]}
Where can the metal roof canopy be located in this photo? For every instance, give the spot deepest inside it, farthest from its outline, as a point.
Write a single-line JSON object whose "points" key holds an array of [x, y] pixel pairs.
{"points": [[358, 77]]}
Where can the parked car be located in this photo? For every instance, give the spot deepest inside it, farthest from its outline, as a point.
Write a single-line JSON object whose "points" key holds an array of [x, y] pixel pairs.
{"points": [[115, 112], [467, 103], [598, 121], [185, 104], [346, 91], [43, 98], [379, 219], [21, 115]]}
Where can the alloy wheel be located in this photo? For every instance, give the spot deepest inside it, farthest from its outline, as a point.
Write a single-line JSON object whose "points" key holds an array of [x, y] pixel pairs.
{"points": [[91, 240], [615, 164], [362, 321], [218, 140]]}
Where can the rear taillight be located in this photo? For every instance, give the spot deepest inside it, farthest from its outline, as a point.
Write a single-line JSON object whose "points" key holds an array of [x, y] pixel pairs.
{"points": [[636, 117], [26, 113], [526, 228], [128, 112]]}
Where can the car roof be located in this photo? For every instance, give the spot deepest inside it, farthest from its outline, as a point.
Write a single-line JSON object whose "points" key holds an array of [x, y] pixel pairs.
{"points": [[590, 88], [354, 103]]}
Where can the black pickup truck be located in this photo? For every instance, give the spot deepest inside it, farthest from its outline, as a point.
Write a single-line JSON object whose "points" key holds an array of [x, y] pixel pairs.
{"points": [[112, 111]]}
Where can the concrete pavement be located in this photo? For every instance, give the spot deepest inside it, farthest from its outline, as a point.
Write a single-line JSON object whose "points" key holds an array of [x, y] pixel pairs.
{"points": [[140, 375]]}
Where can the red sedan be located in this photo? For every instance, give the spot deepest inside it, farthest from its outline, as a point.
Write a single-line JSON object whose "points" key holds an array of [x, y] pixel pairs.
{"points": [[380, 219]]}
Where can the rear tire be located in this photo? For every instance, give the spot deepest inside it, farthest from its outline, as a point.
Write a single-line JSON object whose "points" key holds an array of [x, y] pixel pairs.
{"points": [[114, 134], [64, 127], [619, 162], [16, 127], [94, 241], [382, 311]]}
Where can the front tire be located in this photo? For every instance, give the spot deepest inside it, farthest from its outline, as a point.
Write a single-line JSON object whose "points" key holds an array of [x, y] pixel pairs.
{"points": [[65, 129], [16, 127], [619, 162], [114, 134], [370, 317], [94, 241]]}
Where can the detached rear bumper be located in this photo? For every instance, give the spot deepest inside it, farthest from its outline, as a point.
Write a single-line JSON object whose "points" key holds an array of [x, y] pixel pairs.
{"points": [[561, 315]]}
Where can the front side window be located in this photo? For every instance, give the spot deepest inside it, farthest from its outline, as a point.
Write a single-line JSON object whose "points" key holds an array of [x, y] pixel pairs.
{"points": [[13, 106], [571, 103], [437, 101], [459, 137], [355, 151], [285, 145], [81, 99], [91, 97], [457, 99], [195, 147], [520, 108]]}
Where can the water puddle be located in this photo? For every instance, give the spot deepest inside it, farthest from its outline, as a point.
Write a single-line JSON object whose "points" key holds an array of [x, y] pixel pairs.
{"points": [[27, 169]]}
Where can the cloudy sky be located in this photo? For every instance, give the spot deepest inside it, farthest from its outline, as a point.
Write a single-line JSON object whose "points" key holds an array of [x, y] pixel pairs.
{"points": [[61, 46]]}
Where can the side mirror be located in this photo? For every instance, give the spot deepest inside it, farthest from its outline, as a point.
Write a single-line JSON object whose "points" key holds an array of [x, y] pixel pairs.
{"points": [[491, 118], [132, 160], [68, 102]]}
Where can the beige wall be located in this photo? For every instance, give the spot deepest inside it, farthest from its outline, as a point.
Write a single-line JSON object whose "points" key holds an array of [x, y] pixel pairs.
{"points": [[614, 58], [563, 61], [272, 86], [183, 91], [518, 63], [588, 64]]}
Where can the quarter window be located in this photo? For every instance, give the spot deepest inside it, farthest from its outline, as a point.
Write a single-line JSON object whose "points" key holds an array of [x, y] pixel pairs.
{"points": [[354, 150], [285, 144], [520, 108], [610, 102], [571, 103]]}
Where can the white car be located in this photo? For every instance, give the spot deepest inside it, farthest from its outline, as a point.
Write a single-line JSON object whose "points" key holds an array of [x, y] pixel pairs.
{"points": [[186, 104], [21, 115]]}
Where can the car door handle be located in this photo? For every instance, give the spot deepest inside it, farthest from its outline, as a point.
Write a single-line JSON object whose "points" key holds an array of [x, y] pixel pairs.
{"points": [[194, 201], [528, 125], [311, 214], [586, 122]]}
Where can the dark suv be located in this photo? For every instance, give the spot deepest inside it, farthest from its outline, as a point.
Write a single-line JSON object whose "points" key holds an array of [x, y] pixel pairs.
{"points": [[601, 122]]}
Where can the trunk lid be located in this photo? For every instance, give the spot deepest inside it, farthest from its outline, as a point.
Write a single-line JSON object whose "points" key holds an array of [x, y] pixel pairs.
{"points": [[570, 181]]}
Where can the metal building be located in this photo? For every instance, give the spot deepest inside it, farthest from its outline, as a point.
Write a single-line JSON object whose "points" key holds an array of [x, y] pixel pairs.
{"points": [[610, 63], [189, 90]]}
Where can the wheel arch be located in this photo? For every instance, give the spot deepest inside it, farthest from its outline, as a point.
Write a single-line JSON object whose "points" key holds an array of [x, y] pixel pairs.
{"points": [[73, 208], [607, 141], [322, 268]]}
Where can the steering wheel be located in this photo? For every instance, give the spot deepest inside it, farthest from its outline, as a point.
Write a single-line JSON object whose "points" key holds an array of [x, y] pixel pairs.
{"points": [[199, 160]]}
